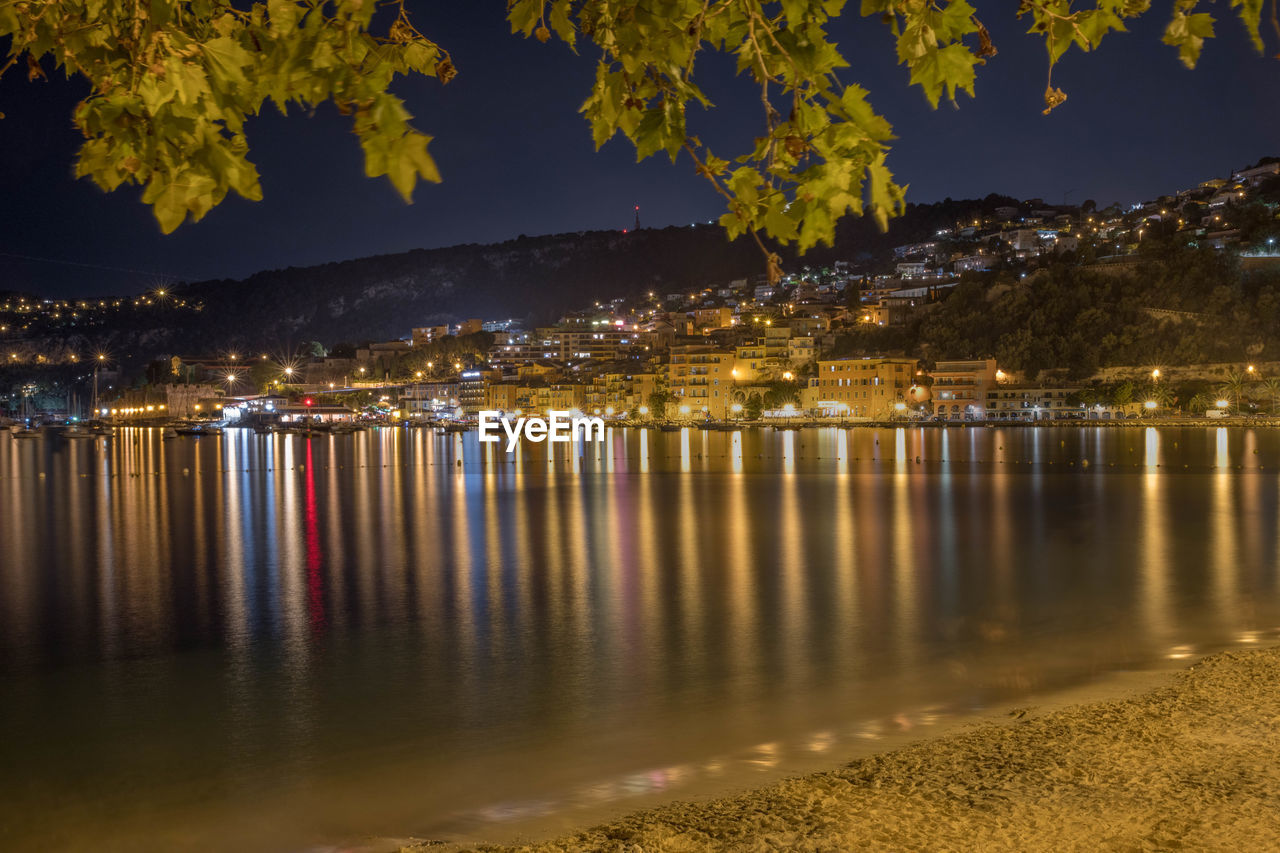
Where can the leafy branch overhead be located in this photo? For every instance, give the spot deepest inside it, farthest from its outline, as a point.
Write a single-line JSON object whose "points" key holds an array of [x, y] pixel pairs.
{"points": [[174, 81]]}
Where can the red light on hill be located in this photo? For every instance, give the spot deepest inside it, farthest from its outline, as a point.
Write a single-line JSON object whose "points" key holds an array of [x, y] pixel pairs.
{"points": [[307, 402]]}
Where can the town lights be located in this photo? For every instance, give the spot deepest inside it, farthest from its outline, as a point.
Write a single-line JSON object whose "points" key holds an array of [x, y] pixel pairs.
{"points": [[788, 375], [736, 408], [1150, 404], [1155, 374], [643, 410], [901, 407], [684, 410], [1222, 404]]}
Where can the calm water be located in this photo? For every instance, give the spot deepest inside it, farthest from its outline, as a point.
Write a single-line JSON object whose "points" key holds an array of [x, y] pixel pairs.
{"points": [[276, 642]]}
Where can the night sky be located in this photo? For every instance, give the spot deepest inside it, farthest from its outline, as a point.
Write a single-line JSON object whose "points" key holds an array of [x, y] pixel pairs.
{"points": [[517, 158]]}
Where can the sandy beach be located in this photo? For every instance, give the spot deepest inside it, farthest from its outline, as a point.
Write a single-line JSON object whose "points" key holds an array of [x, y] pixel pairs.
{"points": [[1190, 764]]}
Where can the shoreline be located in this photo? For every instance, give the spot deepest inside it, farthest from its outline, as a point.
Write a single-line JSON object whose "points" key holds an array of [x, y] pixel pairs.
{"points": [[1150, 758]]}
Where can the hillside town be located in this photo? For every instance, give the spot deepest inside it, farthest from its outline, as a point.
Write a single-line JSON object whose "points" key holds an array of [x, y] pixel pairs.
{"points": [[742, 350]]}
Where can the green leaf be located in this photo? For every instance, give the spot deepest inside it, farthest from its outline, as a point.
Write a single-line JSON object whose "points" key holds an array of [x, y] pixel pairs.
{"points": [[945, 70], [227, 61]]}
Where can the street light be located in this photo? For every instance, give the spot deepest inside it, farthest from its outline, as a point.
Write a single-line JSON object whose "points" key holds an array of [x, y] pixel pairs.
{"points": [[1155, 374]]}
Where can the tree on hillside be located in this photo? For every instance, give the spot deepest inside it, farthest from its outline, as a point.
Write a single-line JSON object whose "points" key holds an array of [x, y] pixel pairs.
{"points": [[172, 83]]}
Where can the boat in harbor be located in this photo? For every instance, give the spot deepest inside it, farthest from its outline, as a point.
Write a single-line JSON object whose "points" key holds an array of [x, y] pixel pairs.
{"points": [[197, 429]]}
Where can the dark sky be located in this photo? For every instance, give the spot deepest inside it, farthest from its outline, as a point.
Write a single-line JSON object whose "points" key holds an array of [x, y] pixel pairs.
{"points": [[517, 158]]}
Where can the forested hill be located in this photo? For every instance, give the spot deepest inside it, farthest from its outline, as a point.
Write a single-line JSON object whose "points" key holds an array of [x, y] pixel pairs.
{"points": [[532, 279], [529, 278], [538, 278]]}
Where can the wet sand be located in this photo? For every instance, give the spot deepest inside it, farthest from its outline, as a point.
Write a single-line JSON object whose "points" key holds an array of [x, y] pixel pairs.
{"points": [[1192, 764]]}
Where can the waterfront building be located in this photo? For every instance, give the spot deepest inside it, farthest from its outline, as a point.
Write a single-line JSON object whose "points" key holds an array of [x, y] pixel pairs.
{"points": [[429, 398], [701, 379], [960, 388], [1025, 402], [860, 388]]}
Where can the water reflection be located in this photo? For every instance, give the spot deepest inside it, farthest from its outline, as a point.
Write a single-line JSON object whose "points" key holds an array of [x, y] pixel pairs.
{"points": [[392, 629]]}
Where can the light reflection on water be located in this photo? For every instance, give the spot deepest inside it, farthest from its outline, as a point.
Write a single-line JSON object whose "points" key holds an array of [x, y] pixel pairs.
{"points": [[285, 640]]}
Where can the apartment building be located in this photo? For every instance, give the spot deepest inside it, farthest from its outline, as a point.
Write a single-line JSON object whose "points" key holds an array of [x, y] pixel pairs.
{"points": [[960, 388], [701, 379], [868, 388]]}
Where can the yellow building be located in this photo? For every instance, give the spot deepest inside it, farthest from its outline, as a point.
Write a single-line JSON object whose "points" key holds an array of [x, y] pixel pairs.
{"points": [[867, 388], [502, 396], [712, 318], [701, 379], [541, 399], [616, 393]]}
